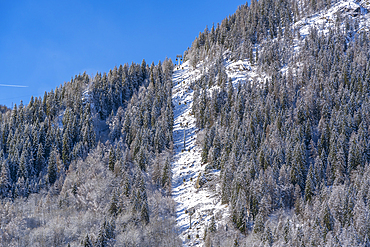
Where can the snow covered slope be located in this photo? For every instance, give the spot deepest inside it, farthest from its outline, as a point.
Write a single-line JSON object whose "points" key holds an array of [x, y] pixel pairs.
{"points": [[196, 192], [326, 18], [198, 203]]}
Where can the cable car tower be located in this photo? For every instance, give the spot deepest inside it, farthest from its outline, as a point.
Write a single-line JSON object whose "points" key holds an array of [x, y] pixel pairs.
{"points": [[179, 59]]}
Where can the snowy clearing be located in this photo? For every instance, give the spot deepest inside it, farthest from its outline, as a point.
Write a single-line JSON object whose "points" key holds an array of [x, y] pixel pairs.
{"points": [[201, 202]]}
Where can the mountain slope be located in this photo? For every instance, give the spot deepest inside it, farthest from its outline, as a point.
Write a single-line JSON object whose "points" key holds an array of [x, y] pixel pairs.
{"points": [[265, 126], [279, 151]]}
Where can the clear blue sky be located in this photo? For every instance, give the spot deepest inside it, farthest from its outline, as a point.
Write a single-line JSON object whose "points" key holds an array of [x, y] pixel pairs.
{"points": [[44, 43]]}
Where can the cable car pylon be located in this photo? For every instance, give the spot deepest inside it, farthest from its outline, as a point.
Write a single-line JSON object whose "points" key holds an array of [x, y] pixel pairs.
{"points": [[179, 60]]}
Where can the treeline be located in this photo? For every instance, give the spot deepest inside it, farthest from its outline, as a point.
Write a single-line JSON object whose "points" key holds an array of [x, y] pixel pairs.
{"points": [[297, 146]]}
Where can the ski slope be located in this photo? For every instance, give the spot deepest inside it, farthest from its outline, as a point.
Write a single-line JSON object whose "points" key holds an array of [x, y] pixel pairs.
{"points": [[200, 203], [203, 202]]}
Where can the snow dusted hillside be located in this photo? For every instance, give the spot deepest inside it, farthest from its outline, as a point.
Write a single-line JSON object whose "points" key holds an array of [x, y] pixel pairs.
{"points": [[196, 191]]}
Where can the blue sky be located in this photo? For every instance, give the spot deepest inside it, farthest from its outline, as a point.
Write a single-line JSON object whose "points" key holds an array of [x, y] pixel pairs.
{"points": [[45, 43]]}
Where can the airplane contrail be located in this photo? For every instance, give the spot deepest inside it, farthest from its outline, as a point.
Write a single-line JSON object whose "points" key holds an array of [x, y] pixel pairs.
{"points": [[7, 85]]}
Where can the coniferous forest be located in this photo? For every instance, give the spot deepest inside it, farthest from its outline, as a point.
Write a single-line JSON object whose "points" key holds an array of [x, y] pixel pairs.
{"points": [[91, 167], [294, 151], [89, 163]]}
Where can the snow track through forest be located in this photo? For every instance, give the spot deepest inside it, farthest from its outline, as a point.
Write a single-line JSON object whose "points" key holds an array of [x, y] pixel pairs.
{"points": [[198, 203], [196, 191]]}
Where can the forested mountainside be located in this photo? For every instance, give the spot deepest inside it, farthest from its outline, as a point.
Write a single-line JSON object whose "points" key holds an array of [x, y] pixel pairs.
{"points": [[89, 163], [292, 142]]}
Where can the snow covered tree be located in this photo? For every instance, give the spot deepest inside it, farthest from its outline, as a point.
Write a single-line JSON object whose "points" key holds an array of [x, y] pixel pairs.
{"points": [[5, 182], [52, 167]]}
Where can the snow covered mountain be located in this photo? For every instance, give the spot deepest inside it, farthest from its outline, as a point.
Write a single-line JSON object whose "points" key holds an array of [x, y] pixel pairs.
{"points": [[260, 138]]}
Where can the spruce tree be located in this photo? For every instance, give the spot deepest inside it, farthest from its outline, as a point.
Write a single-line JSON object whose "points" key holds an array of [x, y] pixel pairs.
{"points": [[52, 167], [113, 209], [5, 182]]}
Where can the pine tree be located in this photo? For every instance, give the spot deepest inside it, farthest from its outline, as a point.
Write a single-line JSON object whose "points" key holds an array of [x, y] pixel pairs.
{"points": [[361, 218], [286, 232], [102, 240], [240, 212], [5, 182], [259, 225], [354, 157], [66, 150], [212, 225], [52, 167], [141, 158], [40, 160], [112, 160], [167, 176], [327, 220], [87, 129], [113, 209], [23, 166], [340, 162], [106, 234], [310, 185], [86, 242], [298, 170], [297, 200], [144, 208], [144, 213], [268, 238]]}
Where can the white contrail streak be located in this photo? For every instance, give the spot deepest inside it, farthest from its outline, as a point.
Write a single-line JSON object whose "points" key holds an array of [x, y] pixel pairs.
{"points": [[6, 85]]}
